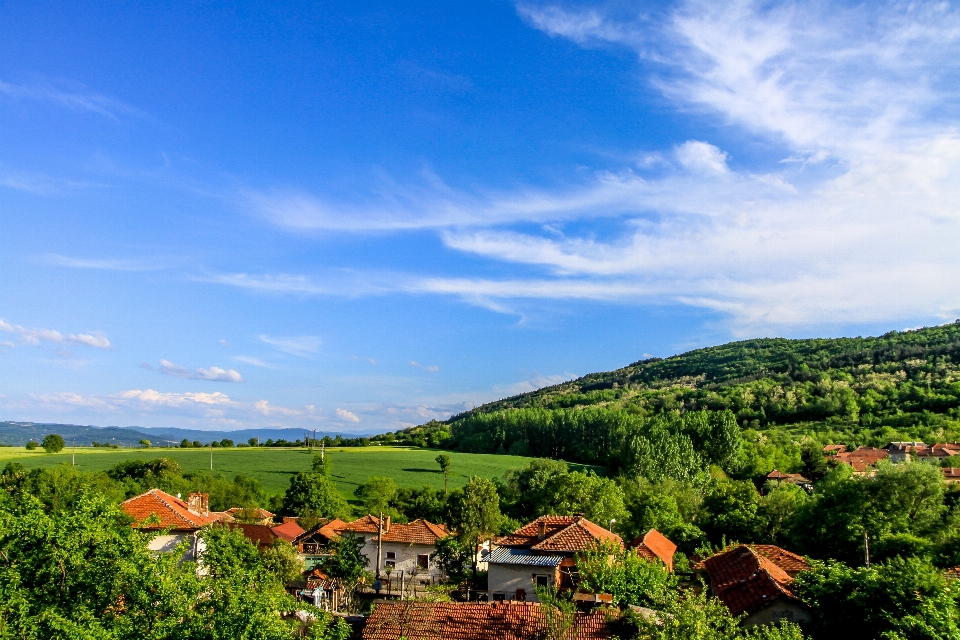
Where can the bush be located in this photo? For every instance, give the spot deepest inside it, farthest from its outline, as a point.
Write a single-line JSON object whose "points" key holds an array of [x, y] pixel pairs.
{"points": [[32, 445]]}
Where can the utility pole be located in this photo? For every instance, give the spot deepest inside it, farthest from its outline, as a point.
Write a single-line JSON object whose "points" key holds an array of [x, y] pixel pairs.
{"points": [[379, 545], [322, 446], [211, 456], [866, 548]]}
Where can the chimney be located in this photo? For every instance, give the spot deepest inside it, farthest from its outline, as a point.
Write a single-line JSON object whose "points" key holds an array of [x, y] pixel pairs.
{"points": [[198, 502], [541, 530], [386, 524]]}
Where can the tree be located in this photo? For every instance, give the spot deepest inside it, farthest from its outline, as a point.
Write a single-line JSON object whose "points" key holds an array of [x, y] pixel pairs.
{"points": [[454, 558], [730, 511], [444, 461], [902, 598], [429, 504], [254, 442], [282, 561], [599, 499], [778, 509], [145, 443], [632, 579], [376, 494], [32, 445], [185, 444], [475, 511], [314, 492], [347, 563], [53, 443], [814, 464], [226, 443]]}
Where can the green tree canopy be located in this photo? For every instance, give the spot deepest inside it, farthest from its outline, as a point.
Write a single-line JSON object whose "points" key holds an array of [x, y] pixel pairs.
{"points": [[53, 443], [474, 510]]}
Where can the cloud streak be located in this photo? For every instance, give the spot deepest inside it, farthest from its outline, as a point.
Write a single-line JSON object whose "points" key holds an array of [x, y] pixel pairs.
{"points": [[213, 374], [32, 336], [302, 346]]}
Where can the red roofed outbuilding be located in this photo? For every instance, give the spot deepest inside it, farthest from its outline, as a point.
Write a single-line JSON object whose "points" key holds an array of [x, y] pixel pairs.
{"points": [[756, 581], [655, 546]]}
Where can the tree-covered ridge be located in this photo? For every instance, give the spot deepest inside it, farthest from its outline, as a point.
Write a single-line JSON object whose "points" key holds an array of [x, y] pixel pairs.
{"points": [[907, 382]]}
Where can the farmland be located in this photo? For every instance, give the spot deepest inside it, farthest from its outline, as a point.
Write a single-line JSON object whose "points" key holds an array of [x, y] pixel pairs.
{"points": [[408, 467]]}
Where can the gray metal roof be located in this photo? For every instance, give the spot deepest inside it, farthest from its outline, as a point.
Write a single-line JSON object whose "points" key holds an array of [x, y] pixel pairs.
{"points": [[508, 555]]}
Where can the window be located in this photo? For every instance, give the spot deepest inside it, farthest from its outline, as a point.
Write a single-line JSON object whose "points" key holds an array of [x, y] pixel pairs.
{"points": [[543, 581], [522, 595], [392, 564], [391, 555], [423, 561]]}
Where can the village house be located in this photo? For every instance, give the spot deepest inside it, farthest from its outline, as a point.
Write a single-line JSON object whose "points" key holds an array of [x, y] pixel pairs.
{"points": [[318, 588], [789, 478], [263, 535], [755, 580], [541, 553], [157, 510], [475, 621], [654, 546], [951, 475], [862, 457], [312, 544], [834, 449], [407, 549]]}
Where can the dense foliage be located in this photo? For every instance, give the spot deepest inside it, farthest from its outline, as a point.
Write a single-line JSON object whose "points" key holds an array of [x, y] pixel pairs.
{"points": [[899, 386]]}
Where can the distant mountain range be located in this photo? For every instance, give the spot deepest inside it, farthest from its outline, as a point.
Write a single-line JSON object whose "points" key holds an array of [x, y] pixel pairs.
{"points": [[19, 433]]}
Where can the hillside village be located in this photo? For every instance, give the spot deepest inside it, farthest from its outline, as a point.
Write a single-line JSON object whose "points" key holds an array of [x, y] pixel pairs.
{"points": [[406, 583]]}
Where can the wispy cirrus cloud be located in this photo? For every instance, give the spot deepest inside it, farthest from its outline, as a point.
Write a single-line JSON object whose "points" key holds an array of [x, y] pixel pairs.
{"points": [[213, 374], [303, 346], [257, 362], [70, 95], [432, 368], [103, 264], [34, 336]]}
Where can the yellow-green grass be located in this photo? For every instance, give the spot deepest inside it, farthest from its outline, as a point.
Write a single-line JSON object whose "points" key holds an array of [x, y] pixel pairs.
{"points": [[409, 467]]}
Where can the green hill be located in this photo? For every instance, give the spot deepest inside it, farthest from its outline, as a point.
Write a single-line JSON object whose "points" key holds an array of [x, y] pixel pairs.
{"points": [[901, 385]]}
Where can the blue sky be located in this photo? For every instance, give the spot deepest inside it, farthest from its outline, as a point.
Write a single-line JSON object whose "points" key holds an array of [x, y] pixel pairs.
{"points": [[358, 218]]}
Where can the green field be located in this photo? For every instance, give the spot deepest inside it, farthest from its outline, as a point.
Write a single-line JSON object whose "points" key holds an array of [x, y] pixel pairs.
{"points": [[408, 467]]}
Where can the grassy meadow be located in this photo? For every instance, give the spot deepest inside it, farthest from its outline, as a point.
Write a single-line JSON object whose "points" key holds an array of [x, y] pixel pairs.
{"points": [[409, 467]]}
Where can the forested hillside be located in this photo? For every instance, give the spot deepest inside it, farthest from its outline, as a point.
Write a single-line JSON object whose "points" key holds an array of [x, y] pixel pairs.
{"points": [[764, 400]]}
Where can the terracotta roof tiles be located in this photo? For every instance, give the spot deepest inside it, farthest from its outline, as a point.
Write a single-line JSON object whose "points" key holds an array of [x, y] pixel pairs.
{"points": [[288, 530], [569, 534], [746, 580], [654, 546], [417, 532], [473, 621], [171, 511]]}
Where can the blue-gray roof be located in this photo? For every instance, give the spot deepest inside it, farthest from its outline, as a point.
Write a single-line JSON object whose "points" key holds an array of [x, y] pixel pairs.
{"points": [[508, 555]]}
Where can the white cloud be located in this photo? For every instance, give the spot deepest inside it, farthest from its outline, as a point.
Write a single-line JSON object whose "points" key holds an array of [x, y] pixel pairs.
{"points": [[214, 374], [431, 368], [104, 264], [33, 336], [151, 397], [702, 157], [537, 382], [254, 361], [302, 346], [349, 416], [267, 409]]}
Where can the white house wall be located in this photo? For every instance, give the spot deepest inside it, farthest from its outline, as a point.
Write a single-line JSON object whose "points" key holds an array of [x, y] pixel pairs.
{"points": [[406, 557], [507, 578]]}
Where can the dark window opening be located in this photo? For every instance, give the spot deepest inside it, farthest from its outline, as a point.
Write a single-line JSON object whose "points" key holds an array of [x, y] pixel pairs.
{"points": [[423, 561]]}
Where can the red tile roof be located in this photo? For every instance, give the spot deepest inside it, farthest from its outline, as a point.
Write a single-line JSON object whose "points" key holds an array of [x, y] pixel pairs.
{"points": [[255, 514], [570, 534], [654, 546], [417, 532], [790, 562], [289, 530], [835, 447], [746, 580], [259, 534], [473, 621], [171, 511], [863, 457]]}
